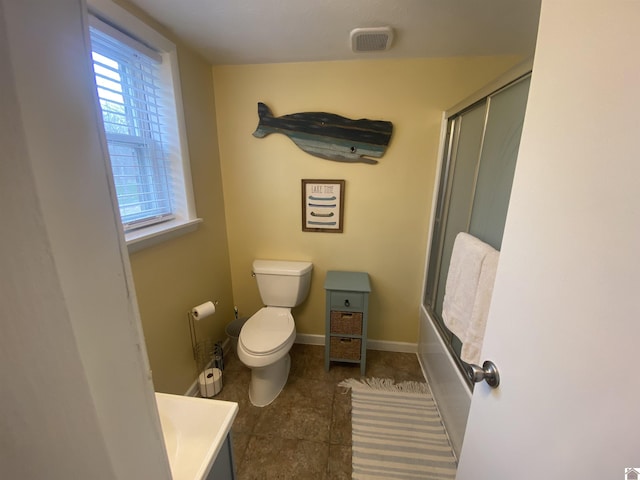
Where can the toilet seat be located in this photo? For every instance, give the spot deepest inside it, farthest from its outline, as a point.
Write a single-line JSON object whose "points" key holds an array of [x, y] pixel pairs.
{"points": [[267, 331]]}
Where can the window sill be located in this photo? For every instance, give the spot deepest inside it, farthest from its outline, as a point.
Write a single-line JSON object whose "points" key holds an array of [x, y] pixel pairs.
{"points": [[148, 236]]}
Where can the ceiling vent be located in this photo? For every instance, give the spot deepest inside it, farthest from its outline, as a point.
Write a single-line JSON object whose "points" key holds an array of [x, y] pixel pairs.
{"points": [[375, 39]]}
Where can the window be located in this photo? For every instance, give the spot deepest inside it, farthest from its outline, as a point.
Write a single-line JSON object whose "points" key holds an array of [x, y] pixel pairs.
{"points": [[138, 92]]}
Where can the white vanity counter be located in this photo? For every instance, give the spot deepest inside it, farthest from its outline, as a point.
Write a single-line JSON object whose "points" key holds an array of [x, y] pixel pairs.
{"points": [[195, 431]]}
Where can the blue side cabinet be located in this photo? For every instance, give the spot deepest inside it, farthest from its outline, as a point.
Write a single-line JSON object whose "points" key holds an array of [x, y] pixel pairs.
{"points": [[346, 315]]}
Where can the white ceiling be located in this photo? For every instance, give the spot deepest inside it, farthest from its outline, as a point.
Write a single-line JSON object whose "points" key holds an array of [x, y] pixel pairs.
{"points": [[278, 31]]}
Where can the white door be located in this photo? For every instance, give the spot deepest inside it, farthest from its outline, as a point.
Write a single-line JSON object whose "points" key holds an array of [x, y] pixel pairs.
{"points": [[564, 326]]}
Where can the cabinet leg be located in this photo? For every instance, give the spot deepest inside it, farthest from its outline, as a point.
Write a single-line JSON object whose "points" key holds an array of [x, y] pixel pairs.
{"points": [[326, 356]]}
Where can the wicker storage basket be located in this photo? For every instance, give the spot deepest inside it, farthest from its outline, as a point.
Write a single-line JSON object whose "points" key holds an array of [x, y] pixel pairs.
{"points": [[348, 323], [345, 348]]}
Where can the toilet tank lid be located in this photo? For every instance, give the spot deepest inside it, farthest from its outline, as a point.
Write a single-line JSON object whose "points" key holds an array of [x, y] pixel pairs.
{"points": [[281, 267]]}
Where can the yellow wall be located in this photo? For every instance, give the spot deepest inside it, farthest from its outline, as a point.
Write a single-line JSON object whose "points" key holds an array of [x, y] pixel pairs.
{"points": [[178, 274], [387, 206]]}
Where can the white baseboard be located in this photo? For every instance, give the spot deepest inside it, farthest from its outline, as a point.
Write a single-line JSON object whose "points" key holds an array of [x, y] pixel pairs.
{"points": [[387, 346], [194, 389], [384, 345], [226, 347], [308, 339]]}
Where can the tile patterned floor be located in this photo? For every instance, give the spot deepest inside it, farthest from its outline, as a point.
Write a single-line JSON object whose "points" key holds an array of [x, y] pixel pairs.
{"points": [[306, 432]]}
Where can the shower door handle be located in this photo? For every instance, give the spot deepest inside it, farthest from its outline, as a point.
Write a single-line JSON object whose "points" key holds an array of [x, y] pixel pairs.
{"points": [[488, 372]]}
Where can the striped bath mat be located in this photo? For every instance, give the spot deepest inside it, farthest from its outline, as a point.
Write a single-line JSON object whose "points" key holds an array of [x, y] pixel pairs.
{"points": [[397, 432]]}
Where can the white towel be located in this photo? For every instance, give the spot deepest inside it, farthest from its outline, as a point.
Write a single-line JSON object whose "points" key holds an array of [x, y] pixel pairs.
{"points": [[466, 303], [472, 345]]}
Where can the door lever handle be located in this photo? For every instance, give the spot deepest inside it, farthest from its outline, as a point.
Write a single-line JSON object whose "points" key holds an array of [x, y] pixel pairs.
{"points": [[488, 372]]}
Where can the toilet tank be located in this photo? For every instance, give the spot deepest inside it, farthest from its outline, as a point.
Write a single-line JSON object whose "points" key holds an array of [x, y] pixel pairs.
{"points": [[282, 283]]}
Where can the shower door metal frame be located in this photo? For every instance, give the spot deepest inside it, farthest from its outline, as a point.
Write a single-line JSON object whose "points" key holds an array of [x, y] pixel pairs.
{"points": [[452, 119]]}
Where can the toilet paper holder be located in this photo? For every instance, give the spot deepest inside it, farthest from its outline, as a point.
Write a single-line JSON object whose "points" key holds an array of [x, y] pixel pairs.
{"points": [[207, 354], [194, 315]]}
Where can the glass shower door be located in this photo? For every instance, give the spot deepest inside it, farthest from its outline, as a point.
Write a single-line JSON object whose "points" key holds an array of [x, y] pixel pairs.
{"points": [[498, 162], [475, 185]]}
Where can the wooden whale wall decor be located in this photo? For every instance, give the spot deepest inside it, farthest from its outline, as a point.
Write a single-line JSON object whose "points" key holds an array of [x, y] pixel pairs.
{"points": [[329, 136]]}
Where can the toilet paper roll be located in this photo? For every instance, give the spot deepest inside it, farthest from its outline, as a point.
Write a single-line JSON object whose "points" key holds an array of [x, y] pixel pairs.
{"points": [[203, 311], [210, 381]]}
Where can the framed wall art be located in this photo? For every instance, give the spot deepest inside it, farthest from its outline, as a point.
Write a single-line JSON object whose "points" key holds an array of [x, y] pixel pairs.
{"points": [[322, 205]]}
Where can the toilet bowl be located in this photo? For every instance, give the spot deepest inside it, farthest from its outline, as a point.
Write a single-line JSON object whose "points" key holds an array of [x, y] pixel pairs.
{"points": [[263, 346], [267, 337]]}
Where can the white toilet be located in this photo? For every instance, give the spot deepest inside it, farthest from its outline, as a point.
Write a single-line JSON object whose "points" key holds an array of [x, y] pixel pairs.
{"points": [[267, 337]]}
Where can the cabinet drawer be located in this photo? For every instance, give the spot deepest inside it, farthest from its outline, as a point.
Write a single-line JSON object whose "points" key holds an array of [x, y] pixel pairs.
{"points": [[345, 348], [351, 300], [347, 323]]}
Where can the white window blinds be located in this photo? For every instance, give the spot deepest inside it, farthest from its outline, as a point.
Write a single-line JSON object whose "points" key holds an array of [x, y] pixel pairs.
{"points": [[131, 92]]}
